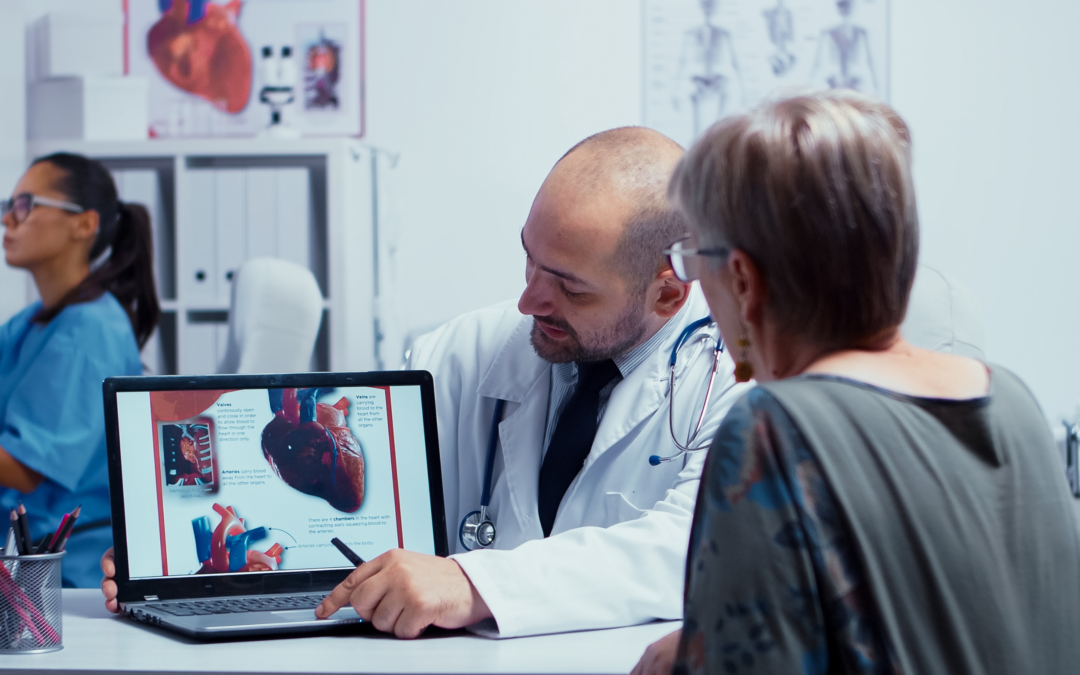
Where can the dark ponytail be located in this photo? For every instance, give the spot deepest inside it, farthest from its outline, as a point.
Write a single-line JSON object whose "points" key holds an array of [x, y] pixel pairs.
{"points": [[124, 231]]}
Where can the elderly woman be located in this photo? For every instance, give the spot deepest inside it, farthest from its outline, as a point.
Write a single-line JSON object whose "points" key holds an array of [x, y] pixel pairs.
{"points": [[870, 507]]}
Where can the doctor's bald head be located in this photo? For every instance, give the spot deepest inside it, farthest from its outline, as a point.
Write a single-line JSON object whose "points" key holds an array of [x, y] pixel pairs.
{"points": [[598, 283], [631, 165]]}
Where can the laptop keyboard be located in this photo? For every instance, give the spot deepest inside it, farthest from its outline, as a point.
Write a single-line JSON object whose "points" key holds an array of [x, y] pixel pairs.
{"points": [[237, 605]]}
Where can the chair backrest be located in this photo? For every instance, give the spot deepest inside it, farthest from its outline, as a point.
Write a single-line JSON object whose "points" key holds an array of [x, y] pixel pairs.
{"points": [[943, 316], [274, 318]]}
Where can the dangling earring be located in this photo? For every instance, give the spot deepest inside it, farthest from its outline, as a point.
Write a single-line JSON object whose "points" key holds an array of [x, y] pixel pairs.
{"points": [[744, 370]]}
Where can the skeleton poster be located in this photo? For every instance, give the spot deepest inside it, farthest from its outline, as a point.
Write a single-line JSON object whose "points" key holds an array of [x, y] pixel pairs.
{"points": [[707, 59]]}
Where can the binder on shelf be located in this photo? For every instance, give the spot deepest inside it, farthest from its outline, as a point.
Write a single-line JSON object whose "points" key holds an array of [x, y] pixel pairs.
{"points": [[230, 227], [197, 240]]}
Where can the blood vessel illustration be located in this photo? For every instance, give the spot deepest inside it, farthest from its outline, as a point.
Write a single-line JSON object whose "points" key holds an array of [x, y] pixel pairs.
{"points": [[310, 446], [225, 549], [197, 46]]}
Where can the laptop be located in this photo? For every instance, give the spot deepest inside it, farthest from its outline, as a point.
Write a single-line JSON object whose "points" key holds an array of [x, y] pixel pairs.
{"points": [[226, 491]]}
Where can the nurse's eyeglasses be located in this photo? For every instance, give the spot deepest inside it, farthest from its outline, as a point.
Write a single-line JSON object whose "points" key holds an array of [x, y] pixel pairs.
{"points": [[22, 204], [685, 260]]}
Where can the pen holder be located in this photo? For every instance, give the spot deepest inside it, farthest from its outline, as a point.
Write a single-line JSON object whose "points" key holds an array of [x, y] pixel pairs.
{"points": [[30, 604]]}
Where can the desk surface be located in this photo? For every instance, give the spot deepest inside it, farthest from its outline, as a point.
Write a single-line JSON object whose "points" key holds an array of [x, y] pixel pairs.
{"points": [[95, 642]]}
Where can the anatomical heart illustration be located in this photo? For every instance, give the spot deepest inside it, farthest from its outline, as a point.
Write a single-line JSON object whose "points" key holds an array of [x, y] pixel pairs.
{"points": [[230, 547], [197, 46], [309, 445]]}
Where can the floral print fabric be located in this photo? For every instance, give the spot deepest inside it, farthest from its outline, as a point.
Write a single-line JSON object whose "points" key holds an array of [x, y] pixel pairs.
{"points": [[773, 583]]}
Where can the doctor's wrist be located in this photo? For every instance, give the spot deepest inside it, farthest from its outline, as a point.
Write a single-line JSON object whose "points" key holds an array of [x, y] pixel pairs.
{"points": [[477, 610]]}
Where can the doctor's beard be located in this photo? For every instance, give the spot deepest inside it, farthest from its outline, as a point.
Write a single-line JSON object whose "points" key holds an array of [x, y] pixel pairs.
{"points": [[607, 342]]}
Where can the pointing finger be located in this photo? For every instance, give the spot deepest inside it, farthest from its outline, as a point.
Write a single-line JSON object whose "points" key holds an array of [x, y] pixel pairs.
{"points": [[341, 595]]}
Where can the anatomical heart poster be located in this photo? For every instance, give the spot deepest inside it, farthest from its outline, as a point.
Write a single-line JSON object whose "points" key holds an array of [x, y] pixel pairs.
{"points": [[249, 67]]}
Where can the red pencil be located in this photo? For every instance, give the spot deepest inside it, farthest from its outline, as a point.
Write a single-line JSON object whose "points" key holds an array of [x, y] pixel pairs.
{"points": [[46, 546], [59, 544]]}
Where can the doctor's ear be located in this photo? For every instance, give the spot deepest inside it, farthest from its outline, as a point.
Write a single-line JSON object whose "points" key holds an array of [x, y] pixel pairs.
{"points": [[667, 295], [747, 285]]}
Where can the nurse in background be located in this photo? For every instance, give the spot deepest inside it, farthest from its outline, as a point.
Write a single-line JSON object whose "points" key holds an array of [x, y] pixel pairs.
{"points": [[91, 260]]}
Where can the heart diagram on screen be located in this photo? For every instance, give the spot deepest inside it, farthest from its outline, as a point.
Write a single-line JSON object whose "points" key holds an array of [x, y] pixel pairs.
{"points": [[309, 445]]}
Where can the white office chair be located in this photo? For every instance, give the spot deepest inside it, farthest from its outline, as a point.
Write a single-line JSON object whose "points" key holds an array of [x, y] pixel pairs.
{"points": [[274, 318], [943, 316]]}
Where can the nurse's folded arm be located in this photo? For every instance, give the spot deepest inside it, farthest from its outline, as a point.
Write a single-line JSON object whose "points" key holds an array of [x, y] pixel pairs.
{"points": [[16, 475]]}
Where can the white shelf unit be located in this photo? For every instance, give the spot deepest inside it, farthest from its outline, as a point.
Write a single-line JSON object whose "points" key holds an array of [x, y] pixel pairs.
{"points": [[217, 202]]}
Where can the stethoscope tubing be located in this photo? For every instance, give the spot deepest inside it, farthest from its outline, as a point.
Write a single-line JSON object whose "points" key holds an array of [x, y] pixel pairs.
{"points": [[687, 334], [493, 441]]}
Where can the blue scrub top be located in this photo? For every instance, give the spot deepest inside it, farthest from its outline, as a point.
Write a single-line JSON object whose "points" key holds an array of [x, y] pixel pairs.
{"points": [[53, 419]]}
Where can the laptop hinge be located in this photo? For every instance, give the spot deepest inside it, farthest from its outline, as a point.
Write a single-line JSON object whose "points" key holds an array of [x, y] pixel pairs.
{"points": [[150, 598]]}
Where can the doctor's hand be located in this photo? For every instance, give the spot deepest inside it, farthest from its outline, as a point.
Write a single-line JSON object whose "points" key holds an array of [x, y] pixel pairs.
{"points": [[108, 586], [403, 592], [659, 657]]}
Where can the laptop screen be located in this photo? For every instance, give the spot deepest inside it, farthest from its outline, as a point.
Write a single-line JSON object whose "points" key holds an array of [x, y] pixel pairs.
{"points": [[233, 480]]}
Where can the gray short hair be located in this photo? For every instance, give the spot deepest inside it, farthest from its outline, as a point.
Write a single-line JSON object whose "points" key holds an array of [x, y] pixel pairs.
{"points": [[817, 190]]}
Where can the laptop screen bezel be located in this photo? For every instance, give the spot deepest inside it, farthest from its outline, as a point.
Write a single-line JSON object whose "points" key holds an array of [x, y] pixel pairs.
{"points": [[254, 583]]}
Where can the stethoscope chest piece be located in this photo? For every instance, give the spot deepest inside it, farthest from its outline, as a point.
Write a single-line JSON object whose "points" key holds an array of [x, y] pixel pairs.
{"points": [[477, 530]]}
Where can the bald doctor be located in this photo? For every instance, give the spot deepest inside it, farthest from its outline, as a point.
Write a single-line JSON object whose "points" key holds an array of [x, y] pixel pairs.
{"points": [[574, 380]]}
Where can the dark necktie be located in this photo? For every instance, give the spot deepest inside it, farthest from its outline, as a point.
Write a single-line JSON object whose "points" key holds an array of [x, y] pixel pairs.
{"points": [[573, 437]]}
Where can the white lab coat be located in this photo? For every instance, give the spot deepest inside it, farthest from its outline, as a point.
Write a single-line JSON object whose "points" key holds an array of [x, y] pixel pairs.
{"points": [[617, 551]]}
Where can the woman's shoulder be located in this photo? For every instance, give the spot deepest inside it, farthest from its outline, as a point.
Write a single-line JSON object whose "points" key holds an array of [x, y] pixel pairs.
{"points": [[101, 325], [21, 318], [103, 315]]}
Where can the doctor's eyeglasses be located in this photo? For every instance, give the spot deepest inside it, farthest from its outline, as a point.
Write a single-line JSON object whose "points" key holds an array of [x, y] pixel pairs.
{"points": [[685, 258], [21, 204]]}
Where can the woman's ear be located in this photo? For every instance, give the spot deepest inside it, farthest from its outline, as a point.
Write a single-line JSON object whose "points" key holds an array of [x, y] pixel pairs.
{"points": [[747, 287], [668, 294], [86, 226]]}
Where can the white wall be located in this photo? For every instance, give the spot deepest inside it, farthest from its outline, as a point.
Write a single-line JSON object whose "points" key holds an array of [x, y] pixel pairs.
{"points": [[989, 89], [481, 97]]}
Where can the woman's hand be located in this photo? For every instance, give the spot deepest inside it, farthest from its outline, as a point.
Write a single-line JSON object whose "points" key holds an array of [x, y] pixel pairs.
{"points": [[659, 657], [108, 586]]}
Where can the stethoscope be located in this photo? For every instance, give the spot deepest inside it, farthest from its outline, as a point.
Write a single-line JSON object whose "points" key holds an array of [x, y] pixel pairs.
{"points": [[478, 531]]}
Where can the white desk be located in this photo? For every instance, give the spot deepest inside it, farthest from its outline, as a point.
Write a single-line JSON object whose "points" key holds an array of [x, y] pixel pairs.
{"points": [[95, 642]]}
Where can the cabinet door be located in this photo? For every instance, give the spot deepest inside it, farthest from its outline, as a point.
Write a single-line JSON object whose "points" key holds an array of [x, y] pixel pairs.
{"points": [[294, 215], [197, 238], [231, 219], [262, 213], [198, 347]]}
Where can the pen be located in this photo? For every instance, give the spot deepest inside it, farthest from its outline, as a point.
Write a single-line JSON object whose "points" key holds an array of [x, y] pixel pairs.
{"points": [[347, 552], [20, 545], [58, 544], [24, 530]]}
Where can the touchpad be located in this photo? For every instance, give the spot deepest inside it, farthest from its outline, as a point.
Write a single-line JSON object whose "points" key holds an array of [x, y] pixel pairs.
{"points": [[295, 615]]}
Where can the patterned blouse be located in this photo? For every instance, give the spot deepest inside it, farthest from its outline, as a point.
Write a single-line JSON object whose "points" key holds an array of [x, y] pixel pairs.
{"points": [[775, 570]]}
